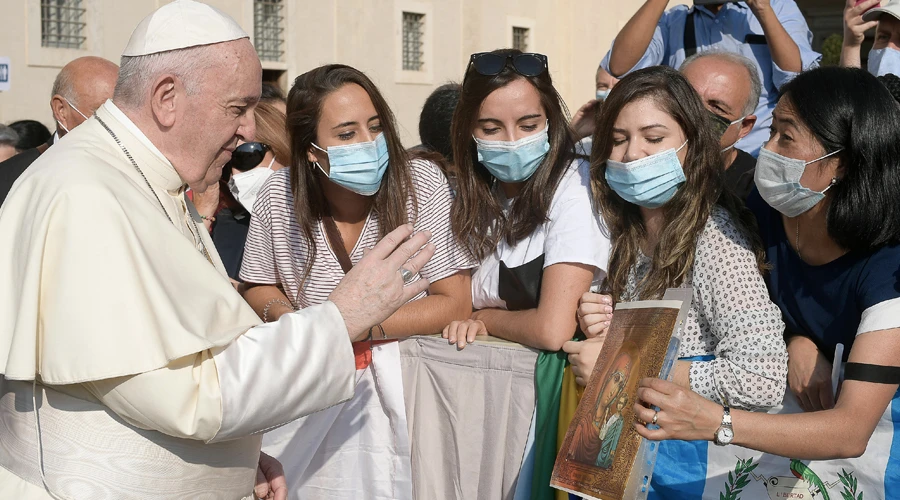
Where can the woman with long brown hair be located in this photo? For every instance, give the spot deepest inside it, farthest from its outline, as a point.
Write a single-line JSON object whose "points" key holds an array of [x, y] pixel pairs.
{"points": [[523, 209], [656, 172], [349, 183]]}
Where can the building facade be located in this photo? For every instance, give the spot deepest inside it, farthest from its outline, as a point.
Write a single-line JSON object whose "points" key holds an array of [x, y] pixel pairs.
{"points": [[408, 47]]}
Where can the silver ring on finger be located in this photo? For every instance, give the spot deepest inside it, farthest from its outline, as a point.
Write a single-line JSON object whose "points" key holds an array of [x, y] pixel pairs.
{"points": [[407, 275], [655, 417]]}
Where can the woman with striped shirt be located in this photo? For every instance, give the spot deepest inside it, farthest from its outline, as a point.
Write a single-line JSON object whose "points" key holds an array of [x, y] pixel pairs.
{"points": [[350, 182]]}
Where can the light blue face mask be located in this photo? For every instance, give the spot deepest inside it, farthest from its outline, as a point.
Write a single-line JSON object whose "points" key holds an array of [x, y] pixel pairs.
{"points": [[358, 167], [648, 182], [884, 61], [602, 94], [514, 161]]}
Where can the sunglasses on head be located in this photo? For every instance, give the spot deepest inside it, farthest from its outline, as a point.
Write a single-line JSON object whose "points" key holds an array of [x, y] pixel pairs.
{"points": [[490, 64], [247, 156]]}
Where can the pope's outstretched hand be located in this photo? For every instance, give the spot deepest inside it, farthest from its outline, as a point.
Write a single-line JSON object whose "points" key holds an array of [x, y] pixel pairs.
{"points": [[374, 288]]}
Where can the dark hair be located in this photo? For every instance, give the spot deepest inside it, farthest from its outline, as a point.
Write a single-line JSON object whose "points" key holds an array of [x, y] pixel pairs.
{"points": [[849, 109], [477, 218], [304, 110], [31, 134], [271, 92], [686, 214], [437, 117]]}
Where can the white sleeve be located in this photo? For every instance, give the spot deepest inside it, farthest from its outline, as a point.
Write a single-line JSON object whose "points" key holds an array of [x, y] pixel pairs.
{"points": [[882, 316], [281, 371], [574, 233], [273, 374]]}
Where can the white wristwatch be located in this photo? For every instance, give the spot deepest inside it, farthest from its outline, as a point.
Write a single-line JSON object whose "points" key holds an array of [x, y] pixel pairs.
{"points": [[725, 432]]}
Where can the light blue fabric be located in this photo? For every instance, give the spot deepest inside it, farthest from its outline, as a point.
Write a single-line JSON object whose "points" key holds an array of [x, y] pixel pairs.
{"points": [[884, 61], [523, 484], [892, 471], [727, 32], [648, 182], [358, 167], [514, 161], [680, 470]]}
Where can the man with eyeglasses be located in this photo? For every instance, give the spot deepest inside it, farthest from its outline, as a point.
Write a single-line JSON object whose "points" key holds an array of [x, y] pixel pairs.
{"points": [[729, 87], [772, 33], [79, 89]]}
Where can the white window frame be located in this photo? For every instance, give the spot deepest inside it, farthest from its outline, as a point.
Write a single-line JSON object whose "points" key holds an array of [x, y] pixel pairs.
{"points": [[426, 75]]}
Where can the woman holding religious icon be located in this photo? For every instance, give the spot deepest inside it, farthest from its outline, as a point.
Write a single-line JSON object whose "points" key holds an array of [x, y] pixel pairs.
{"points": [[523, 209], [350, 182], [657, 176], [827, 183]]}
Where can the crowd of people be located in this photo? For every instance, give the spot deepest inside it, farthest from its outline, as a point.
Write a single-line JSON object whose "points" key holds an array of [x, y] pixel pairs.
{"points": [[197, 267]]}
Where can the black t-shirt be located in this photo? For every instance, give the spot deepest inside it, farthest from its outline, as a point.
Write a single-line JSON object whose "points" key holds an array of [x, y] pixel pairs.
{"points": [[739, 175], [229, 235], [12, 168]]}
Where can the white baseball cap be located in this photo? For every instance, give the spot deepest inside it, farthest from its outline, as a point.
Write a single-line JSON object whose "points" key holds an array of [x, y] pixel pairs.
{"points": [[180, 25], [892, 7]]}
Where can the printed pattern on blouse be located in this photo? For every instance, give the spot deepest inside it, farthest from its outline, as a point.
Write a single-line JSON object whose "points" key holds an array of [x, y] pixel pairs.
{"points": [[732, 318], [276, 249]]}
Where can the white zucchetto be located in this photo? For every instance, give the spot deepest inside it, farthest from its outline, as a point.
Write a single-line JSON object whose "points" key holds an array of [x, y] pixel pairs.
{"points": [[180, 25]]}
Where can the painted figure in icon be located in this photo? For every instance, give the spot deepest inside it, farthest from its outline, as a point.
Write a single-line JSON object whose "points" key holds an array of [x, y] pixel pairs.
{"points": [[595, 440]]}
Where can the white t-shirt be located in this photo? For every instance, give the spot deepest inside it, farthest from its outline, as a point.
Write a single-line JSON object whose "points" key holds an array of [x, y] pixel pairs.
{"points": [[572, 234]]}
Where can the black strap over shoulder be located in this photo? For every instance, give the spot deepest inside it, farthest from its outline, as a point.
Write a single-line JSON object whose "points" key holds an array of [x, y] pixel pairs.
{"points": [[877, 374], [690, 36]]}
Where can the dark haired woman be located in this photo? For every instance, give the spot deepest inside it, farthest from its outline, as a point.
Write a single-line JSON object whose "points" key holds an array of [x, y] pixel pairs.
{"points": [[656, 172], [828, 185], [349, 183], [523, 209]]}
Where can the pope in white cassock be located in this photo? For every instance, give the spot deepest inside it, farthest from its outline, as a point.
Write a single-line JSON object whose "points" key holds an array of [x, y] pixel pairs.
{"points": [[131, 368]]}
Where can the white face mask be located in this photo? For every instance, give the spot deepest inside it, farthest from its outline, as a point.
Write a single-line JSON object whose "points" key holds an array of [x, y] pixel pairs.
{"points": [[76, 110], [245, 186], [778, 180]]}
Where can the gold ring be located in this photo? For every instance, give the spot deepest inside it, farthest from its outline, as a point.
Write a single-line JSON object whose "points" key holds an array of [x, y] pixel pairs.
{"points": [[655, 417]]}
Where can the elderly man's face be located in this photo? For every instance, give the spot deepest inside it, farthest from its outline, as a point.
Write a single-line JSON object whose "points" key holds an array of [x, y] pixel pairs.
{"points": [[220, 114], [724, 88]]}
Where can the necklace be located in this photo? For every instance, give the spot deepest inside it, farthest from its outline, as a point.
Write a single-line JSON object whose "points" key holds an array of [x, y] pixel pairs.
{"points": [[201, 246], [797, 241]]}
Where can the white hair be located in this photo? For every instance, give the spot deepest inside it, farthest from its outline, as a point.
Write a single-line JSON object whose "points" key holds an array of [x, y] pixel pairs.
{"points": [[137, 73], [64, 85], [750, 66], [8, 136]]}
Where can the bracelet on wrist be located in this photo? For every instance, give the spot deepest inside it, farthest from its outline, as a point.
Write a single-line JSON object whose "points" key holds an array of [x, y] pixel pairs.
{"points": [[269, 304]]}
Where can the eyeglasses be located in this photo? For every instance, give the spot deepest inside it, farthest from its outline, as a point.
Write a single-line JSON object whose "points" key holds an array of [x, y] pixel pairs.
{"points": [[247, 156], [490, 64]]}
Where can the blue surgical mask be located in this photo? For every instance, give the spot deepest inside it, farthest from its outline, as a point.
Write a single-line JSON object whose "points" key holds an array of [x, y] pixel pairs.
{"points": [[884, 61], [648, 182], [358, 167], [602, 94], [514, 161], [778, 180]]}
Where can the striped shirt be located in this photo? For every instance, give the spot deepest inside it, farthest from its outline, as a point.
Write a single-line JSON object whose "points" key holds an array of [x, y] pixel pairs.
{"points": [[276, 250]]}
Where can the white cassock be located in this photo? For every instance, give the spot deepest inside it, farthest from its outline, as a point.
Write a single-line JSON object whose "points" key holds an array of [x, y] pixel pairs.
{"points": [[154, 379]]}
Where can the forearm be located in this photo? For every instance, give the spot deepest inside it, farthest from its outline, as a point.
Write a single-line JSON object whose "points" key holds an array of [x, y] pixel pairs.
{"points": [[785, 52], [850, 57], [260, 296], [805, 436], [633, 40], [273, 374], [426, 316], [527, 327]]}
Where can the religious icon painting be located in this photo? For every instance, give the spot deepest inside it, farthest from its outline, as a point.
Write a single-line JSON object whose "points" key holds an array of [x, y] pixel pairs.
{"points": [[602, 456]]}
